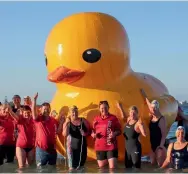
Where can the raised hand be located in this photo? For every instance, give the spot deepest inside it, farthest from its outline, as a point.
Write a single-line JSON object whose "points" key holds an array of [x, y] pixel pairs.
{"points": [[143, 93], [36, 96], [92, 106], [119, 105]]}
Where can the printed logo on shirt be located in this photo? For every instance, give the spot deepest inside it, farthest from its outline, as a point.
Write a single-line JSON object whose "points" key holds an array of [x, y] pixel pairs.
{"points": [[109, 126], [136, 152]]}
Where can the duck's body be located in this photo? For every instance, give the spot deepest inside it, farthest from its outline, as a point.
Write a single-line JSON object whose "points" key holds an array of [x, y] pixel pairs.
{"points": [[94, 66], [87, 101]]}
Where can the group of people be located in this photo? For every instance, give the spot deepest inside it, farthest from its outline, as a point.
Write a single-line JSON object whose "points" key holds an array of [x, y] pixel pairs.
{"points": [[28, 130]]}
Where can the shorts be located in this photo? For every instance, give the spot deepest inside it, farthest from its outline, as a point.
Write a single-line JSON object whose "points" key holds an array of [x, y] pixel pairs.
{"points": [[104, 155], [43, 157], [8, 153], [27, 150]]}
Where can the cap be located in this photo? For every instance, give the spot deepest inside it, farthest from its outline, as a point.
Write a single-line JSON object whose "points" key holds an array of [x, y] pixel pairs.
{"points": [[180, 128], [155, 103]]}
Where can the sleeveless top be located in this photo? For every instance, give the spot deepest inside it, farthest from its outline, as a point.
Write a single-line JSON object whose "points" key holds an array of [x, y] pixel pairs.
{"points": [[76, 137], [131, 136], [179, 158], [155, 134]]}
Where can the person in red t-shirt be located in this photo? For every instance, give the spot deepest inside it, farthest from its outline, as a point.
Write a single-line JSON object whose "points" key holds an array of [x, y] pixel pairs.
{"points": [[106, 128], [7, 138], [25, 142], [47, 128]]}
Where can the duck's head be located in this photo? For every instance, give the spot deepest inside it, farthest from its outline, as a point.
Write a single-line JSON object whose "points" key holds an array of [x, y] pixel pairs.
{"points": [[87, 50]]}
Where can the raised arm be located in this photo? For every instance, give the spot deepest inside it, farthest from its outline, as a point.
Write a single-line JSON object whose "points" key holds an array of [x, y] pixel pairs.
{"points": [[34, 108], [162, 125], [122, 112], [12, 114], [145, 98], [168, 157]]}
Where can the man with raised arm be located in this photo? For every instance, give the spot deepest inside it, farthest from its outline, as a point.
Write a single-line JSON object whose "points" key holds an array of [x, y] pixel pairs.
{"points": [[47, 128]]}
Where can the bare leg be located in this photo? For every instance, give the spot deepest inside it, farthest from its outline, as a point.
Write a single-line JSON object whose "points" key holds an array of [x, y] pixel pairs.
{"points": [[21, 156], [102, 163], [160, 156], [30, 156], [112, 163], [152, 157]]}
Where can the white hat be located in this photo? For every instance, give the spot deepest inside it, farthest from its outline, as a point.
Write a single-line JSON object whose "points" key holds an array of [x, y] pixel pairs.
{"points": [[180, 127], [155, 103]]}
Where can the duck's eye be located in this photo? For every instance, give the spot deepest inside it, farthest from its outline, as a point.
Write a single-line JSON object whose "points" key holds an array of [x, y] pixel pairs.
{"points": [[46, 60], [91, 55]]}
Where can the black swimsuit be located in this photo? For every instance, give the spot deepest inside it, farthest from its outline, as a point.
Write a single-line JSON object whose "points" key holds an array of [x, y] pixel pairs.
{"points": [[75, 145], [133, 150], [155, 134], [179, 158]]}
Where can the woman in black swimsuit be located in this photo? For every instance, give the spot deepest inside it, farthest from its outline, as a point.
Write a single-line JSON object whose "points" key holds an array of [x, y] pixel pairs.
{"points": [[177, 154], [158, 132], [76, 129], [132, 130]]}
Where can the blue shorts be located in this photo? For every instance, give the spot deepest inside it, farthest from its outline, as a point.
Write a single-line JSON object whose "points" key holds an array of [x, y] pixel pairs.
{"points": [[43, 157]]}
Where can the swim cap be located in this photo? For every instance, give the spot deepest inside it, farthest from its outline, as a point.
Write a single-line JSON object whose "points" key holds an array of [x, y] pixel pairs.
{"points": [[155, 104], [180, 128]]}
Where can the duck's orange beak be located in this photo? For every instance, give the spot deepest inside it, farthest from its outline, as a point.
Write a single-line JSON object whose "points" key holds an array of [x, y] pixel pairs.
{"points": [[65, 75]]}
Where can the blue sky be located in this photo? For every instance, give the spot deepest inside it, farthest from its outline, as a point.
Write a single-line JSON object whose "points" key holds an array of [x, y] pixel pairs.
{"points": [[158, 34]]}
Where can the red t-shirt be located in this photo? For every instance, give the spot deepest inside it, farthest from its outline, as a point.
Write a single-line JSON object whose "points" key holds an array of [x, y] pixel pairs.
{"points": [[7, 126], [102, 129], [26, 133], [46, 133]]}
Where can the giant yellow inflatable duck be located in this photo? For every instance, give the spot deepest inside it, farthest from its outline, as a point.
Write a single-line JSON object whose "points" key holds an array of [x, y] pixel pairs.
{"points": [[88, 57]]}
